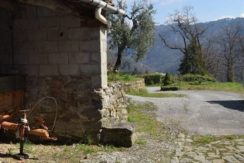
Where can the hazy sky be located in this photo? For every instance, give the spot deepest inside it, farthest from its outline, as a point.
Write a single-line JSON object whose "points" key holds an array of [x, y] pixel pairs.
{"points": [[205, 10]]}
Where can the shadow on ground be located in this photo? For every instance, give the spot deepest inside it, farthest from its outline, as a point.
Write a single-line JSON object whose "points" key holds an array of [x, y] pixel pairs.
{"points": [[230, 104], [14, 156]]}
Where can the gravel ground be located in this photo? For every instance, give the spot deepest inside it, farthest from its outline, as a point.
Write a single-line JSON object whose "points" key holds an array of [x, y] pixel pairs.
{"points": [[201, 112]]}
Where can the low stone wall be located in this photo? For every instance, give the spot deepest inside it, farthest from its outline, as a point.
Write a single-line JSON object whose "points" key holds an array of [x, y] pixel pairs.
{"points": [[114, 104], [134, 85], [115, 127]]}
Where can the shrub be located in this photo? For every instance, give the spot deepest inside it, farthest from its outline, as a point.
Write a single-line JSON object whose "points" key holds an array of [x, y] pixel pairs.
{"points": [[168, 80], [169, 88], [123, 77], [151, 79], [197, 79]]}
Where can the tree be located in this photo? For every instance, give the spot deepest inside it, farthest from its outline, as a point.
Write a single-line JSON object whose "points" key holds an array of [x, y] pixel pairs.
{"points": [[133, 31], [212, 58], [230, 44], [184, 24]]}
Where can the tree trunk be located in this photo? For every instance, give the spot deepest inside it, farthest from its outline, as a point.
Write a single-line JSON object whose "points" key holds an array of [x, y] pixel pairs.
{"points": [[118, 61], [230, 74]]}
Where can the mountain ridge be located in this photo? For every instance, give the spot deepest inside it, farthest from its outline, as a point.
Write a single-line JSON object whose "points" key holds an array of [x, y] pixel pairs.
{"points": [[162, 59]]}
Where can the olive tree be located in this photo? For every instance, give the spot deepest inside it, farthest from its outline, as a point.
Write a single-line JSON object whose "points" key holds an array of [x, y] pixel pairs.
{"points": [[134, 31]]}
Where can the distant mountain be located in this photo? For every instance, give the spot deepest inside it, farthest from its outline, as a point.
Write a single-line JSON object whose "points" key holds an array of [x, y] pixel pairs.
{"points": [[163, 59]]}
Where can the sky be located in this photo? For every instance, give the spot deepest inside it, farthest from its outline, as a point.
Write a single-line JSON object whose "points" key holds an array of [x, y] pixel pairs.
{"points": [[204, 10]]}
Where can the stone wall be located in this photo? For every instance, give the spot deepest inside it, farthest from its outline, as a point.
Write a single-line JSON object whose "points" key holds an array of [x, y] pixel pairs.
{"points": [[64, 57], [114, 104], [61, 56], [134, 85], [115, 127]]}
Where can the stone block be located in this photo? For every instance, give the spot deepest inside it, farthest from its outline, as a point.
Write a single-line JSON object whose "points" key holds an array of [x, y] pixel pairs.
{"points": [[70, 21], [55, 34], [23, 48], [75, 33], [36, 35], [32, 70], [21, 59], [20, 35], [48, 70], [26, 23], [96, 57], [90, 46], [89, 69], [68, 46], [79, 58], [49, 22], [28, 12], [94, 33], [38, 58], [44, 12], [69, 69], [58, 58], [120, 135], [49, 46], [97, 81]]}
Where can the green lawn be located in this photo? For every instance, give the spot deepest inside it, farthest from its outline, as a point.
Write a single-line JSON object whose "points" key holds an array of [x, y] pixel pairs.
{"points": [[142, 116], [122, 77], [228, 87], [145, 93]]}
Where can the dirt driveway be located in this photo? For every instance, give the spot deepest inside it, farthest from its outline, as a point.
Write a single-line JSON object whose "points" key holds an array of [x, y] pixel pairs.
{"points": [[202, 112]]}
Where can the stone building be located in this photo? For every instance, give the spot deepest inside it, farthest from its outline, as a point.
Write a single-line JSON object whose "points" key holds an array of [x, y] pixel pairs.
{"points": [[59, 47]]}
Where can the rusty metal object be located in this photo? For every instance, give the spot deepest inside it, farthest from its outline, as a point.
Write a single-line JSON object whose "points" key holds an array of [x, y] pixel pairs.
{"points": [[9, 125], [22, 130], [42, 134], [4, 117]]}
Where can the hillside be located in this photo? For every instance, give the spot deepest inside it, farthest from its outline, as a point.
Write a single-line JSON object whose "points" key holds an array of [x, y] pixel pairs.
{"points": [[162, 59]]}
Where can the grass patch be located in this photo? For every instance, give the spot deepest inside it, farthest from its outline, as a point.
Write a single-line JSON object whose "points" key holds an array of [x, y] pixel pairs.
{"points": [[123, 77], [207, 139], [140, 142], [145, 93], [201, 140], [228, 87], [143, 118], [63, 153]]}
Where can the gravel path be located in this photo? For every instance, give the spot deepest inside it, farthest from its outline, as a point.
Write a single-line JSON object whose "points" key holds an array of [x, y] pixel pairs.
{"points": [[201, 112]]}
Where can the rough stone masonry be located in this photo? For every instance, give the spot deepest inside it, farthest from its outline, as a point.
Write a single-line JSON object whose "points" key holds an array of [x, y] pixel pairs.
{"points": [[65, 57]]}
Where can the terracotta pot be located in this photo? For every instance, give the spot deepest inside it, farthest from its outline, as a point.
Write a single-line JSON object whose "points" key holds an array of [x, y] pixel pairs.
{"points": [[9, 125]]}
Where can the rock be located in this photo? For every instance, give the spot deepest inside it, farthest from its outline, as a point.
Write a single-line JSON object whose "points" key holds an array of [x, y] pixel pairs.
{"points": [[189, 140], [231, 159], [120, 135], [239, 157], [185, 160], [218, 161], [181, 136], [212, 156], [240, 148], [175, 160], [200, 158], [178, 152]]}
